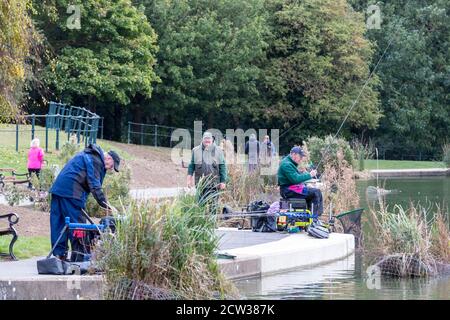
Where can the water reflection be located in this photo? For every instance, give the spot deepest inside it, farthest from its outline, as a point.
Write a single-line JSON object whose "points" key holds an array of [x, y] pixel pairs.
{"points": [[347, 279], [344, 279]]}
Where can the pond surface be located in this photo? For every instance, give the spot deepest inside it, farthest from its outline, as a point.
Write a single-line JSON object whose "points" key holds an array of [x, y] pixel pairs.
{"points": [[348, 278]]}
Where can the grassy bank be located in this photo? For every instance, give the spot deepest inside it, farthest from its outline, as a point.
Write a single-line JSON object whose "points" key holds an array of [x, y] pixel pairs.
{"points": [[10, 158], [402, 164], [27, 247]]}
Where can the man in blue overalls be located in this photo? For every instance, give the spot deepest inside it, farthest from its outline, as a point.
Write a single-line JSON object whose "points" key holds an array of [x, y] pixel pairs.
{"points": [[82, 175]]}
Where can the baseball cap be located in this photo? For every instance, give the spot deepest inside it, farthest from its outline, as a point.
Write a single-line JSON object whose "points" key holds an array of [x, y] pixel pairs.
{"points": [[298, 150], [116, 159]]}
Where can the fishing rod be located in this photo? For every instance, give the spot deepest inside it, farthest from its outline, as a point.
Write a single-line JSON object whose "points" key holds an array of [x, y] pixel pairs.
{"points": [[351, 107]]}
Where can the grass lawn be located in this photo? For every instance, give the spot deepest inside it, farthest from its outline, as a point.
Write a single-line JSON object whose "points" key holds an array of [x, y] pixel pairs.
{"points": [[26, 247], [9, 158], [402, 164]]}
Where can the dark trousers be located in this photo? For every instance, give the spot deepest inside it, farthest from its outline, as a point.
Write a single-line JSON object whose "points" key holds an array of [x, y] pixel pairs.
{"points": [[30, 172], [37, 171], [312, 196], [61, 208]]}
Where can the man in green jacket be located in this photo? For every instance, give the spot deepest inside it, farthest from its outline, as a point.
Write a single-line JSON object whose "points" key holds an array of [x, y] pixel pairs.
{"points": [[291, 181], [207, 162]]}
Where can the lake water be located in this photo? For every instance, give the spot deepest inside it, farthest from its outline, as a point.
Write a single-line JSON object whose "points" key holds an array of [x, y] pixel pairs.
{"points": [[348, 278]]}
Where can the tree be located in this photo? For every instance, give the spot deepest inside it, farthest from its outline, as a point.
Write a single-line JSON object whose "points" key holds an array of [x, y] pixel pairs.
{"points": [[317, 63], [16, 40], [415, 75], [106, 63], [207, 58]]}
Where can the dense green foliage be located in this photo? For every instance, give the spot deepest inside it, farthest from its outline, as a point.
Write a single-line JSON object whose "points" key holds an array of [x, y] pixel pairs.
{"points": [[105, 63], [207, 60], [295, 65], [316, 65], [415, 75], [325, 151], [16, 40]]}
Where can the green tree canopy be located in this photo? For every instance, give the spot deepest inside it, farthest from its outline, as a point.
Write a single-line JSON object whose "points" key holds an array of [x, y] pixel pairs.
{"points": [[105, 63], [316, 65], [415, 74], [207, 58], [16, 39]]}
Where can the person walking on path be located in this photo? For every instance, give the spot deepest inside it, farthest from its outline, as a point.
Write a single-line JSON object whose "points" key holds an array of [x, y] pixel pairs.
{"points": [[83, 174], [252, 150], [207, 165]]}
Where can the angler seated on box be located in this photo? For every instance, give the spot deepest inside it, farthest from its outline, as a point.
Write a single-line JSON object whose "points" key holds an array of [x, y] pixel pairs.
{"points": [[291, 181]]}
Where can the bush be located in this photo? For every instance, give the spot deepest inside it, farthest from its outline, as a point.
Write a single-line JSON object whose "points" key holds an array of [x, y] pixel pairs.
{"points": [[41, 188], [116, 187], [167, 249], [446, 157], [69, 149], [410, 242], [327, 150], [14, 194]]}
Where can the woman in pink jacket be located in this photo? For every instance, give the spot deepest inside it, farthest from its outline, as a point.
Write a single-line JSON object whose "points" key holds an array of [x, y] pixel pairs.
{"points": [[35, 157]]}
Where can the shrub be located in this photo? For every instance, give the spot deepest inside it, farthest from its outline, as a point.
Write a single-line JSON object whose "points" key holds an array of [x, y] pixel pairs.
{"points": [[408, 242], [69, 149], [41, 187], [116, 187], [327, 149], [362, 151], [14, 194], [167, 247], [339, 186]]}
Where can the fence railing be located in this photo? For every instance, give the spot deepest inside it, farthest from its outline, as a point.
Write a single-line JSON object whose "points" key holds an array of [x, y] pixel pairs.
{"points": [[151, 134], [61, 119]]}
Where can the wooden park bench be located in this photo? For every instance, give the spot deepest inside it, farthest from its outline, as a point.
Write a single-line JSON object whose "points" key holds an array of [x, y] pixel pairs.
{"points": [[12, 220], [14, 177]]}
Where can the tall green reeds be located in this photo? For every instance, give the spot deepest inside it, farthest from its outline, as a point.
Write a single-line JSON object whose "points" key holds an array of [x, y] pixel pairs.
{"points": [[168, 246], [410, 242]]}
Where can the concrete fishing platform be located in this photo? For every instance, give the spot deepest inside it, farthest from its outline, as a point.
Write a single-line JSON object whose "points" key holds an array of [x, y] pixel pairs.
{"points": [[255, 254], [279, 252]]}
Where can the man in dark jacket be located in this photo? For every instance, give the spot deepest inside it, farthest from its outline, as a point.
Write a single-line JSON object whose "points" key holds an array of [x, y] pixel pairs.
{"points": [[291, 181], [82, 175]]}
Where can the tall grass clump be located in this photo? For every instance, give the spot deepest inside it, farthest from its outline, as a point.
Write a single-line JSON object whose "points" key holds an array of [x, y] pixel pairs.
{"points": [[339, 185], [410, 242], [163, 250], [242, 187], [69, 149], [362, 151]]}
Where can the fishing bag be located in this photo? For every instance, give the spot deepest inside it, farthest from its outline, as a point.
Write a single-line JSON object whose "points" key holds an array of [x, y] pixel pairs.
{"points": [[263, 223]]}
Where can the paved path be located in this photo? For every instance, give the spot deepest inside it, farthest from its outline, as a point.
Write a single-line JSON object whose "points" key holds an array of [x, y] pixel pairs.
{"points": [[232, 238], [155, 193]]}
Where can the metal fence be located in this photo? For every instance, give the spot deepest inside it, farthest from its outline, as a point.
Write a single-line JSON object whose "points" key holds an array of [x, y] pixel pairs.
{"points": [[151, 134], [61, 119]]}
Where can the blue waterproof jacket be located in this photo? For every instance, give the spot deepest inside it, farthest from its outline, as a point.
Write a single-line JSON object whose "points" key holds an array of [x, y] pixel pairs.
{"points": [[83, 174]]}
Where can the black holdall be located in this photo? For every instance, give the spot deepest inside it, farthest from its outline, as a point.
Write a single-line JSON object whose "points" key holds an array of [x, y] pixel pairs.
{"points": [[262, 223]]}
